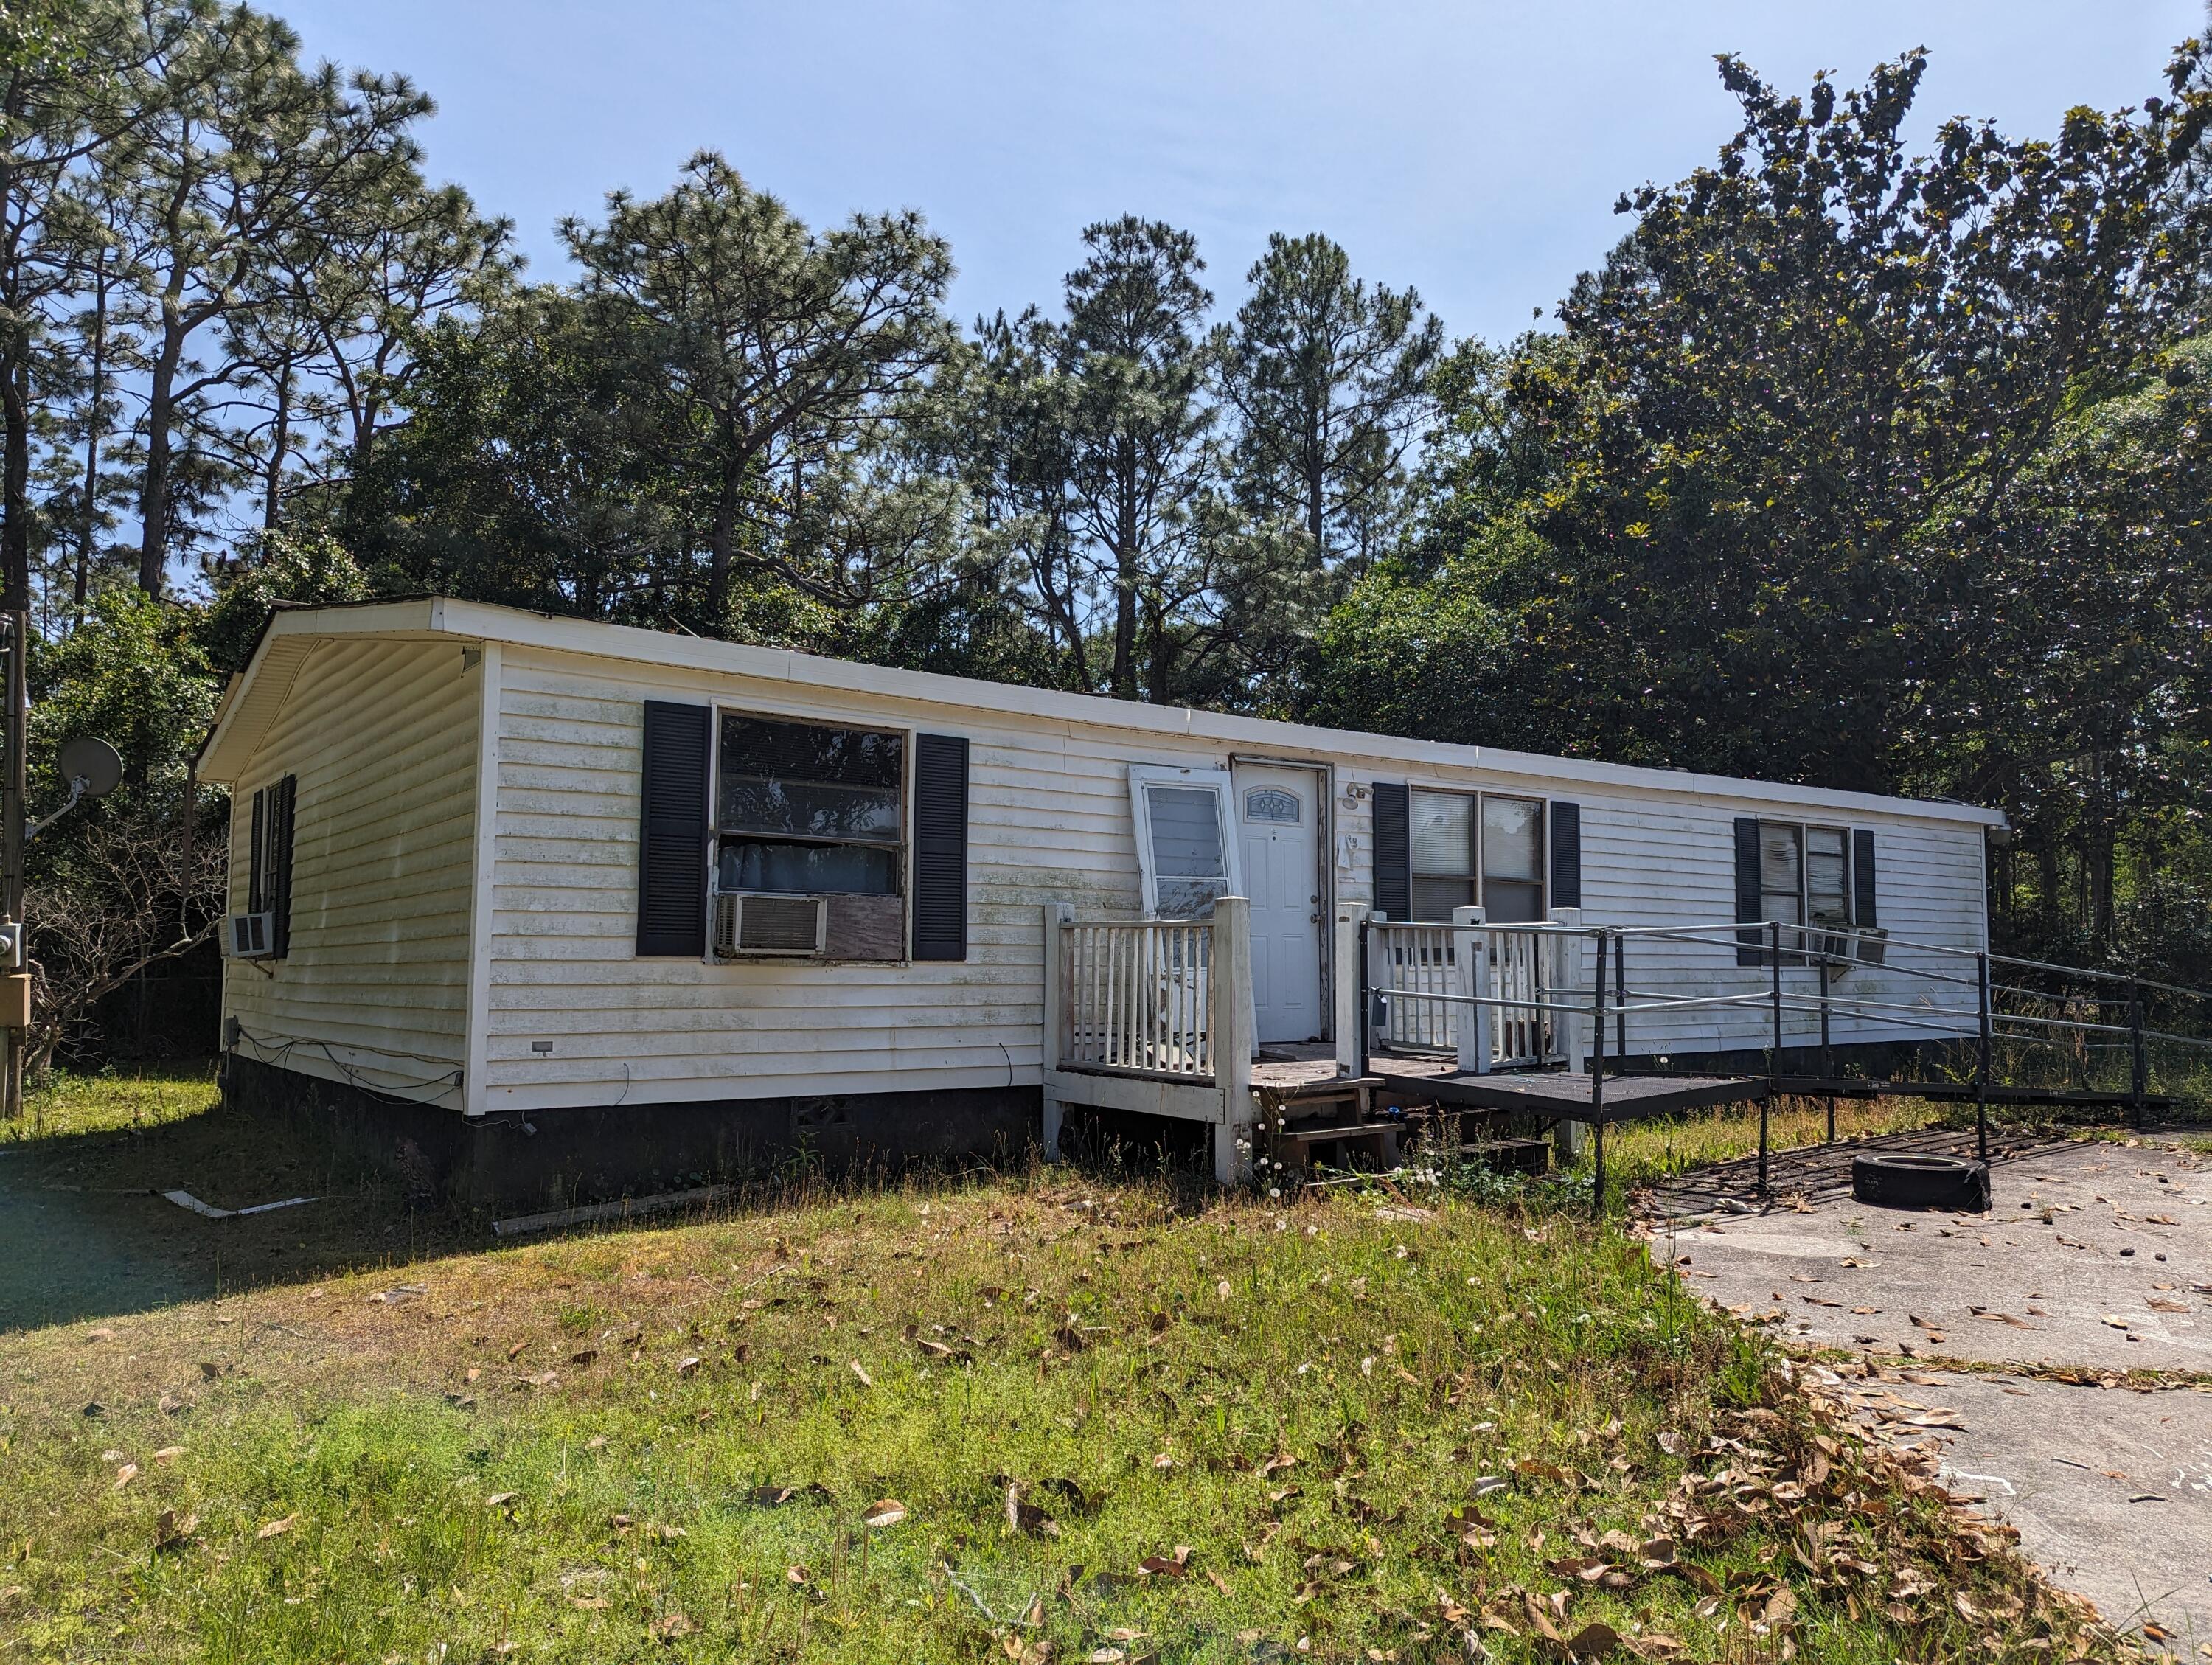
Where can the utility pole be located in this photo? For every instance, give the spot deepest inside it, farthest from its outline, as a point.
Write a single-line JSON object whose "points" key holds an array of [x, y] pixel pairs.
{"points": [[15, 779]]}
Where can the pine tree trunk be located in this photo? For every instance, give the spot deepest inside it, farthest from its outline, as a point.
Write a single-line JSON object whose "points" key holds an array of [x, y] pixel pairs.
{"points": [[280, 442], [154, 489]]}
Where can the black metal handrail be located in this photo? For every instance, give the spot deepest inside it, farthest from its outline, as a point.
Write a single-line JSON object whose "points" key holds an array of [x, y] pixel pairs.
{"points": [[1985, 1023]]}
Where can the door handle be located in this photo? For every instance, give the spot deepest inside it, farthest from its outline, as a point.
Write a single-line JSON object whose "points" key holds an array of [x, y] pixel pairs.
{"points": [[1313, 918]]}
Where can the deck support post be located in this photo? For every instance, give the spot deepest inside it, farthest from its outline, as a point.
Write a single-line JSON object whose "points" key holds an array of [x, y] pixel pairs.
{"points": [[1233, 1030], [1057, 913], [1774, 1046], [2139, 1066], [1982, 1056], [1471, 959]]}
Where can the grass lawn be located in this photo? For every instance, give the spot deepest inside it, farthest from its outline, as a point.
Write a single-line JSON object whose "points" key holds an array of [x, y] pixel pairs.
{"points": [[137, 1097], [1643, 1153], [1036, 1417]]}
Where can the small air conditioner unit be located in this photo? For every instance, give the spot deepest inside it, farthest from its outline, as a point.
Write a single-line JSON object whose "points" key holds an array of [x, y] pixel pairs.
{"points": [[768, 922], [252, 936]]}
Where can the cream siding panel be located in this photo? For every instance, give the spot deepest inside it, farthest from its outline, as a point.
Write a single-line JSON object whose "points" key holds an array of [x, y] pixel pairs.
{"points": [[1048, 819], [382, 737]]}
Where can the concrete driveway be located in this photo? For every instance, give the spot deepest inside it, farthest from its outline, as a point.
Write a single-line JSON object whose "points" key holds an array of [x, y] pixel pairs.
{"points": [[2093, 1275]]}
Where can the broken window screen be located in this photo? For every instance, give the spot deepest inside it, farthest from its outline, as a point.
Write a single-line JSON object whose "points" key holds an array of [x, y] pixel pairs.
{"points": [[1782, 873], [807, 807], [1512, 861], [1190, 865], [1441, 842], [1827, 877]]}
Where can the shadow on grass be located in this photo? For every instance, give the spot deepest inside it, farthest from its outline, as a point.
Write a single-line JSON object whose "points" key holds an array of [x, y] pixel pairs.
{"points": [[86, 1233]]}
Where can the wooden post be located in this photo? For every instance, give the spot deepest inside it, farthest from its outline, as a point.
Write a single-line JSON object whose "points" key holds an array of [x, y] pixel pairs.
{"points": [[1471, 959], [1566, 958], [1233, 1026], [1057, 913], [1368, 997], [1350, 992]]}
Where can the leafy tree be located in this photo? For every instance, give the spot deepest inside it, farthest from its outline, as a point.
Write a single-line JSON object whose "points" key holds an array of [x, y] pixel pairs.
{"points": [[2078, 689], [76, 78], [114, 887], [1809, 356]]}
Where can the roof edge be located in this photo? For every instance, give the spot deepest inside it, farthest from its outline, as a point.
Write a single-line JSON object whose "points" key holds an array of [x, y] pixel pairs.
{"points": [[486, 620]]}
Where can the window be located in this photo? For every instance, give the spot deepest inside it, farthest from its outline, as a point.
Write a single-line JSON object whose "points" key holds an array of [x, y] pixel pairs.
{"points": [[1467, 851], [1513, 860], [1782, 872], [1827, 877], [1184, 853], [1441, 839], [816, 810], [801, 806], [269, 861], [1804, 875]]}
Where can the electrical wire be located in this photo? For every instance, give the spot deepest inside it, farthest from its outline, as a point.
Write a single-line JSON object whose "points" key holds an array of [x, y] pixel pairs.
{"points": [[278, 1049]]}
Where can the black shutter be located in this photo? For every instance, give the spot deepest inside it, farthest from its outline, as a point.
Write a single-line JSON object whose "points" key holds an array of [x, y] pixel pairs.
{"points": [[256, 860], [1394, 860], [941, 847], [283, 797], [1750, 902], [1566, 854], [1862, 885], [671, 858]]}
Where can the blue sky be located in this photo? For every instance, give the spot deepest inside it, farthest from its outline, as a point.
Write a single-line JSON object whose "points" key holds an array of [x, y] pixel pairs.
{"points": [[1474, 150]]}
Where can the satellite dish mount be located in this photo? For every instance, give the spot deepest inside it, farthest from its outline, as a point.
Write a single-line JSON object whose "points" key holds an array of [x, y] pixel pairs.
{"points": [[93, 769]]}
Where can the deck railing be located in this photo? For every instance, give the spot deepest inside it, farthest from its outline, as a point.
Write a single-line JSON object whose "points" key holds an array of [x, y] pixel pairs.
{"points": [[1138, 996], [1422, 972], [1153, 1016]]}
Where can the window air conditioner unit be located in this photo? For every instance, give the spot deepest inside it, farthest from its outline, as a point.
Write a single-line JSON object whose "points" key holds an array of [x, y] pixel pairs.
{"points": [[252, 936], [765, 922]]}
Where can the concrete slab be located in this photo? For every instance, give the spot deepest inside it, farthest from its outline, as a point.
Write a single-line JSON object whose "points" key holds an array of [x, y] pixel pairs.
{"points": [[2110, 1490], [2097, 1255], [2096, 1260]]}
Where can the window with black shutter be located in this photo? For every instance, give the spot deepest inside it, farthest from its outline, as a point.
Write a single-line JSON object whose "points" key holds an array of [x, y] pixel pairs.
{"points": [[269, 861], [809, 824], [941, 847], [1798, 876]]}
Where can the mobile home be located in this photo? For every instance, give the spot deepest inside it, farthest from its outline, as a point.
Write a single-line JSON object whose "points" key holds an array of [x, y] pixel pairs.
{"points": [[555, 901]]}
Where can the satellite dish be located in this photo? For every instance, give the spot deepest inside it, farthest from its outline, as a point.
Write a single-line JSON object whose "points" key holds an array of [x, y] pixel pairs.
{"points": [[92, 762]]}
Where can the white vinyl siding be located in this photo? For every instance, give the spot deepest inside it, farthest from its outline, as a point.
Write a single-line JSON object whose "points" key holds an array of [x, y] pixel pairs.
{"points": [[382, 734], [381, 738]]}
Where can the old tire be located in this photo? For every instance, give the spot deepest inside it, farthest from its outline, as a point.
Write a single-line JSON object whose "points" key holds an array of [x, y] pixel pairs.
{"points": [[1907, 1180]]}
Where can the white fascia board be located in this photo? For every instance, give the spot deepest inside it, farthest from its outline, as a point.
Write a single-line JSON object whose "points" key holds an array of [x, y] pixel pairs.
{"points": [[479, 620]]}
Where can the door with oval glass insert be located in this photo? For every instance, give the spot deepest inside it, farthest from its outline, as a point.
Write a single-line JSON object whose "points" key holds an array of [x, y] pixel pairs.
{"points": [[1277, 812]]}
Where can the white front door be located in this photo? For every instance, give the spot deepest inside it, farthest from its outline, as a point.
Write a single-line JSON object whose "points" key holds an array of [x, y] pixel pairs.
{"points": [[1277, 817]]}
